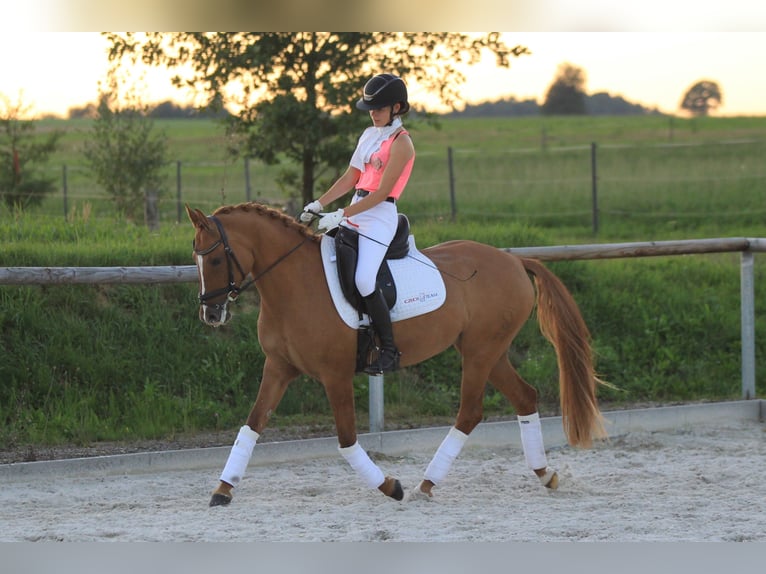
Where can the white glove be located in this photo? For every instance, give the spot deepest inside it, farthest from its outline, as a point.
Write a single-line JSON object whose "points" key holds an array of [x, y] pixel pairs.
{"points": [[309, 212], [331, 220]]}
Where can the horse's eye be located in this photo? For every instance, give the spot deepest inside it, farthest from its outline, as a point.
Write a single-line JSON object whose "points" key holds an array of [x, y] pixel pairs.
{"points": [[215, 261]]}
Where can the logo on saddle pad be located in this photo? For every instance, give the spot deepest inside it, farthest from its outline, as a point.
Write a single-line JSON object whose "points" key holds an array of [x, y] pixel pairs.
{"points": [[419, 285], [422, 298]]}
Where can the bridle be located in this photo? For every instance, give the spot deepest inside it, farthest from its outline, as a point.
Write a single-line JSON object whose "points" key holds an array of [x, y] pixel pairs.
{"points": [[232, 290]]}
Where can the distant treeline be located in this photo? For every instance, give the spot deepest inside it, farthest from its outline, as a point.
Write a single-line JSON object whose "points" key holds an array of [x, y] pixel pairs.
{"points": [[164, 110], [598, 104]]}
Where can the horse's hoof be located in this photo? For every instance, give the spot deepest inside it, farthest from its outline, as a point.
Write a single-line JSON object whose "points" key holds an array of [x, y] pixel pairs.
{"points": [[418, 493], [398, 493], [550, 479], [393, 488], [219, 499]]}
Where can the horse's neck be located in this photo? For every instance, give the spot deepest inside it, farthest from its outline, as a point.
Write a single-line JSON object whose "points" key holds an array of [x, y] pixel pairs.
{"points": [[285, 261]]}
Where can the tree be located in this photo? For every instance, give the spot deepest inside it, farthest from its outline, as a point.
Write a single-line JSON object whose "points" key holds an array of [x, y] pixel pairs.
{"points": [[125, 155], [294, 92], [605, 104], [22, 154], [86, 111], [702, 97], [566, 95]]}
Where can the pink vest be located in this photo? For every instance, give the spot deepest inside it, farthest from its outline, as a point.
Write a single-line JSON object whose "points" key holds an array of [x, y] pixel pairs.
{"points": [[373, 171]]}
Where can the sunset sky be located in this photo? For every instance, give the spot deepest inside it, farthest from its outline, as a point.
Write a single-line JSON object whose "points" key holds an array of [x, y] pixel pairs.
{"points": [[54, 71]]}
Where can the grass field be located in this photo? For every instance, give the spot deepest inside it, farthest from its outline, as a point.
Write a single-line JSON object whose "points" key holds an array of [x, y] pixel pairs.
{"points": [[86, 363], [654, 176]]}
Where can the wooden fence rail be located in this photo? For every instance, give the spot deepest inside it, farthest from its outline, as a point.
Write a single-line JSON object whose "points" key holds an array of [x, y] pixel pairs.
{"points": [[96, 275], [188, 273]]}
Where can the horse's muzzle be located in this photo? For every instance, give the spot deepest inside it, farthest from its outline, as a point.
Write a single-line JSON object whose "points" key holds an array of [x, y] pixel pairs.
{"points": [[214, 315]]}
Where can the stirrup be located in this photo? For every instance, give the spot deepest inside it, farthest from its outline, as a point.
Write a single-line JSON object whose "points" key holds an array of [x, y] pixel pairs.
{"points": [[379, 367]]}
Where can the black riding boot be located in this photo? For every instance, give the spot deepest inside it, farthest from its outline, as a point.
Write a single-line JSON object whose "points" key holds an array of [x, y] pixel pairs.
{"points": [[388, 355]]}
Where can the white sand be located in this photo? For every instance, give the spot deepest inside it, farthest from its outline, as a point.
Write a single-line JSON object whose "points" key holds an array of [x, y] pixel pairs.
{"points": [[701, 485]]}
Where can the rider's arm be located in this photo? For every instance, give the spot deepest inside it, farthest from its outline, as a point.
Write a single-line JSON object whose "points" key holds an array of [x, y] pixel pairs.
{"points": [[341, 187]]}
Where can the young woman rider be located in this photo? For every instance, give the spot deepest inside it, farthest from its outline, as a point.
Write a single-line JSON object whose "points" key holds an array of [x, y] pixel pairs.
{"points": [[377, 173]]}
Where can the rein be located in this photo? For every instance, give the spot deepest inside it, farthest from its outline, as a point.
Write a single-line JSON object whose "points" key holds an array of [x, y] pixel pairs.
{"points": [[232, 290], [409, 256]]}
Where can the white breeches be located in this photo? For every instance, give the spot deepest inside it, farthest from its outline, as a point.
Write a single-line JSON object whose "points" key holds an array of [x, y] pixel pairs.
{"points": [[376, 228]]}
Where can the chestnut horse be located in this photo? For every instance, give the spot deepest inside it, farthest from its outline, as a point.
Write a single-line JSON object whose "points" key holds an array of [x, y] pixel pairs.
{"points": [[489, 297]]}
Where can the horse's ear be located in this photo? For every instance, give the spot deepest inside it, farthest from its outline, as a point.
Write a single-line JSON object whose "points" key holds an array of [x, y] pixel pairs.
{"points": [[197, 217]]}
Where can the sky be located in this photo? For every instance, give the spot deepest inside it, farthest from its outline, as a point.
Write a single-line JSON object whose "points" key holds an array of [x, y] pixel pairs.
{"points": [[51, 72]]}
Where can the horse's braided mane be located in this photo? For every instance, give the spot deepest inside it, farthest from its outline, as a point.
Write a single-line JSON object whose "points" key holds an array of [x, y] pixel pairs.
{"points": [[264, 210]]}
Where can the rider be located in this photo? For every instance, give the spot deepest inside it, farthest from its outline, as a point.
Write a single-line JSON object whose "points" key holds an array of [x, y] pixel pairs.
{"points": [[378, 171]]}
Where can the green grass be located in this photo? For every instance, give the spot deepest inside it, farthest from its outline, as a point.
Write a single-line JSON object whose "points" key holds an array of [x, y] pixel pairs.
{"points": [[651, 179], [87, 363]]}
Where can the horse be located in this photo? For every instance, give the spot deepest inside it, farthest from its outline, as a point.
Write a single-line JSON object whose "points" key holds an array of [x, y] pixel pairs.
{"points": [[490, 295]]}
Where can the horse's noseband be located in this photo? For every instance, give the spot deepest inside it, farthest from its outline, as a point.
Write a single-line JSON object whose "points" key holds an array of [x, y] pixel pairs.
{"points": [[232, 290]]}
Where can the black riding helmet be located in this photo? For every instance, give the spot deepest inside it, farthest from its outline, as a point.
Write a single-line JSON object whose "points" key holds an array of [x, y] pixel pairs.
{"points": [[384, 90]]}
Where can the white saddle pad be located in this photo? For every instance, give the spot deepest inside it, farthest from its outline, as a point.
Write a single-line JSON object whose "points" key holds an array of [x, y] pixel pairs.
{"points": [[419, 285]]}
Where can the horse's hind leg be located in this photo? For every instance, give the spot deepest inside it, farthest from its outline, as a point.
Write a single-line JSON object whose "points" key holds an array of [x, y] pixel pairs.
{"points": [[469, 415], [523, 397]]}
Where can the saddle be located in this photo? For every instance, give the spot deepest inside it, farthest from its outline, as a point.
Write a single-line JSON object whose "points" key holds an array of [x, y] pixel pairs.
{"points": [[347, 251]]}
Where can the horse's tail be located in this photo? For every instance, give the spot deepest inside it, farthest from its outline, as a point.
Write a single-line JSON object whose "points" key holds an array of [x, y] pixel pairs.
{"points": [[562, 324]]}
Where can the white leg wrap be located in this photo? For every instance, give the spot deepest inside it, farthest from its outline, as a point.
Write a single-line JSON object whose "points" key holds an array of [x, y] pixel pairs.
{"points": [[239, 456], [445, 455], [532, 441], [357, 457]]}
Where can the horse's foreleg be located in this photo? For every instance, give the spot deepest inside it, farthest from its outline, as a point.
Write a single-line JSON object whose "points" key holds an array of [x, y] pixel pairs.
{"points": [[276, 377], [235, 467], [440, 464], [523, 397], [341, 397], [369, 472]]}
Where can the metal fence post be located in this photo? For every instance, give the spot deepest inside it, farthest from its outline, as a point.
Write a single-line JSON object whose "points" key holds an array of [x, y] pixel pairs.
{"points": [[747, 302], [376, 403]]}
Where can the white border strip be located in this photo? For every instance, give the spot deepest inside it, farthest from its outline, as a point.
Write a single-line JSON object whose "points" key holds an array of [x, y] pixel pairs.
{"points": [[505, 433]]}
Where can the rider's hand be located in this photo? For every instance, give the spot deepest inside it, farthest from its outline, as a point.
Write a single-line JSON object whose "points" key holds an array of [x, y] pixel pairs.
{"points": [[331, 220], [310, 211]]}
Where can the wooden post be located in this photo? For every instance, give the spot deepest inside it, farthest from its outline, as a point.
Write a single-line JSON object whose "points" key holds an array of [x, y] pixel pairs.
{"points": [[594, 189], [451, 184], [151, 210], [64, 187], [178, 191], [247, 179]]}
